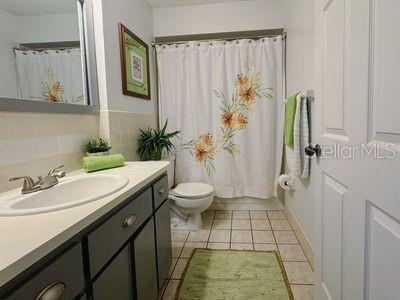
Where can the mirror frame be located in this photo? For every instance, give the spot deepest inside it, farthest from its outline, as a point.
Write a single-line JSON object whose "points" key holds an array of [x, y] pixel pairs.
{"points": [[85, 13]]}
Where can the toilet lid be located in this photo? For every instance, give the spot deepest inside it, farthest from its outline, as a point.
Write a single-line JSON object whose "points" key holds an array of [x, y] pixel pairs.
{"points": [[193, 190]]}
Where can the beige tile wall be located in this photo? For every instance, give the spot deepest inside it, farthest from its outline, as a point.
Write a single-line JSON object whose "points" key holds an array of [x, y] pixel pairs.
{"points": [[31, 144], [122, 130]]}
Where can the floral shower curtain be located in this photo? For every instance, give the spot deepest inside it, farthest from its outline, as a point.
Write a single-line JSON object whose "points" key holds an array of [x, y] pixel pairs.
{"points": [[226, 98], [50, 75]]}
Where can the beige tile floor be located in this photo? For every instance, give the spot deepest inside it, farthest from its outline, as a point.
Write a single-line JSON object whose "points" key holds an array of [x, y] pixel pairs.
{"points": [[251, 230]]}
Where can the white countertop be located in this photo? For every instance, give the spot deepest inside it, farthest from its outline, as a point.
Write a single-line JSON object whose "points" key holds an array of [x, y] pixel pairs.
{"points": [[26, 239]]}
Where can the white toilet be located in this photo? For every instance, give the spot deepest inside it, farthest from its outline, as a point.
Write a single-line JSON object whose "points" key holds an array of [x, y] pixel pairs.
{"points": [[187, 201]]}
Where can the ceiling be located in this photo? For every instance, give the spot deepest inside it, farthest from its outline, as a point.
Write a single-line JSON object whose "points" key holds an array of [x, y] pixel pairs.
{"points": [[45, 7], [38, 7], [164, 3]]}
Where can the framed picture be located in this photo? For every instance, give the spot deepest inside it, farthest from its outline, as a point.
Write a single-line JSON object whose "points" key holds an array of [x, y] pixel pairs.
{"points": [[134, 64]]}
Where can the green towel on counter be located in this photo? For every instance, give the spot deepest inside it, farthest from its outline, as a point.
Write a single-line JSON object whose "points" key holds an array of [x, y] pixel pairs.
{"points": [[290, 112], [97, 163]]}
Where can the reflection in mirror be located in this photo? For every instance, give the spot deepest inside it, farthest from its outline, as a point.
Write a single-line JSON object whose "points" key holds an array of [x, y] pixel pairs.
{"points": [[40, 51]]}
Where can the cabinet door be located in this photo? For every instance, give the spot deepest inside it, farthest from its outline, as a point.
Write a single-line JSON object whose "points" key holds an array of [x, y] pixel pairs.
{"points": [[145, 263], [61, 279], [116, 282], [163, 236]]}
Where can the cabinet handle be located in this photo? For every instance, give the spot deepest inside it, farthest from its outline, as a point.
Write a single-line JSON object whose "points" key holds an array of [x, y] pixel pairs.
{"points": [[53, 291], [161, 190], [129, 220]]}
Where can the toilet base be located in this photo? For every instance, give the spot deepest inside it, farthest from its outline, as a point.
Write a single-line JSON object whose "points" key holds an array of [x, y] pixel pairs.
{"points": [[192, 223]]}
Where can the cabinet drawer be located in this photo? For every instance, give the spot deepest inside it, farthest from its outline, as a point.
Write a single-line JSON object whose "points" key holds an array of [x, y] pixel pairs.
{"points": [[64, 277], [160, 191], [110, 236]]}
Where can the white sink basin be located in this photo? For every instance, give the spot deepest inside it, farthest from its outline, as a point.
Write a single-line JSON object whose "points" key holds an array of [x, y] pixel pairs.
{"points": [[70, 192]]}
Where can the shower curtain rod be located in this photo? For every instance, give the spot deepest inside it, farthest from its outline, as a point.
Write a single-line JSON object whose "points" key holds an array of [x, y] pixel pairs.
{"points": [[44, 49], [258, 37]]}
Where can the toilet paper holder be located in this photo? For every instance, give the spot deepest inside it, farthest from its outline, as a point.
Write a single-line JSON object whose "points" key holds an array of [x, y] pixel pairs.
{"points": [[286, 182]]}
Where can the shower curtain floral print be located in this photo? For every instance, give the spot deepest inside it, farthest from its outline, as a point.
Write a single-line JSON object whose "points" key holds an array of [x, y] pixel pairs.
{"points": [[52, 91], [235, 114]]}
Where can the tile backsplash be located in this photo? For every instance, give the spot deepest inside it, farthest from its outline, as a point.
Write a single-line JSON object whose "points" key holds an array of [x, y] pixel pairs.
{"points": [[122, 130], [33, 143]]}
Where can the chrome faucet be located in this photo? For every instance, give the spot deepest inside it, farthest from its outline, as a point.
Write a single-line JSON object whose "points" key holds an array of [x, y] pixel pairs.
{"points": [[43, 182]]}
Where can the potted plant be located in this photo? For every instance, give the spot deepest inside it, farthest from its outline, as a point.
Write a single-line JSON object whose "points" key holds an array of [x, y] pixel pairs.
{"points": [[153, 142], [96, 147]]}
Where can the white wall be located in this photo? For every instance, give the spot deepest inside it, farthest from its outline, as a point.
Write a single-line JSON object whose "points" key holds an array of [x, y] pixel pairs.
{"points": [[48, 28], [122, 116], [137, 16], [219, 17], [299, 16], [8, 40]]}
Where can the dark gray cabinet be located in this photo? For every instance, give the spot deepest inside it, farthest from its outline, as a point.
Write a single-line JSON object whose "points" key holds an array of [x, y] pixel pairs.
{"points": [[116, 281], [126, 254], [105, 240], [62, 277], [145, 263], [160, 189], [163, 236]]}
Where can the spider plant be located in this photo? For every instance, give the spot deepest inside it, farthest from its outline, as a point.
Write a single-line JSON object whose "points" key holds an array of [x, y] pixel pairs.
{"points": [[152, 142]]}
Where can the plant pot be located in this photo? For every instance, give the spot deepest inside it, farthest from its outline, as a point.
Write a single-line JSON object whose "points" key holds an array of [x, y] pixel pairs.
{"points": [[98, 153], [154, 156]]}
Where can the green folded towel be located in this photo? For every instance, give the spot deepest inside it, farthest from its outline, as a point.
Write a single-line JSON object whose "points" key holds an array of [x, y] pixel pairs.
{"points": [[97, 163], [290, 112]]}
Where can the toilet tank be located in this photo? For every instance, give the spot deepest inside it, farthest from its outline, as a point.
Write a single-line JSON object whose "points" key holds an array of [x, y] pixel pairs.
{"points": [[170, 170]]}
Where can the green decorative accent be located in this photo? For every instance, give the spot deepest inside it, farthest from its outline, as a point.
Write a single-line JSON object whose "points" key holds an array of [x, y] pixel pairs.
{"points": [[78, 99], [135, 51], [152, 142], [290, 112], [96, 146], [233, 274], [97, 163]]}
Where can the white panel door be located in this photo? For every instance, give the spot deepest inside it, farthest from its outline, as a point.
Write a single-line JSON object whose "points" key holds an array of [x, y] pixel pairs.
{"points": [[357, 196]]}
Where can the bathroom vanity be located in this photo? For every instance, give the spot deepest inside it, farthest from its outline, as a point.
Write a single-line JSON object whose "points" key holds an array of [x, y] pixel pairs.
{"points": [[118, 247]]}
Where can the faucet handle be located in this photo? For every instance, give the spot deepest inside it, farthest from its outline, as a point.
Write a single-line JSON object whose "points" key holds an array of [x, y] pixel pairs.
{"points": [[27, 180], [52, 171], [29, 184]]}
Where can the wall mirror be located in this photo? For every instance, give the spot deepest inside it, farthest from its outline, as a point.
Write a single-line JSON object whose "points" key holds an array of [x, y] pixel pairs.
{"points": [[47, 56]]}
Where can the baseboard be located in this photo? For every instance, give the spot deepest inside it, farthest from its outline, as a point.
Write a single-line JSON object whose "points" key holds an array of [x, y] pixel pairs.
{"points": [[304, 241]]}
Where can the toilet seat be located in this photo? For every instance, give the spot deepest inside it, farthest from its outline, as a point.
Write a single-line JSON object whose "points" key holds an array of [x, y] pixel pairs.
{"points": [[192, 190], [187, 201]]}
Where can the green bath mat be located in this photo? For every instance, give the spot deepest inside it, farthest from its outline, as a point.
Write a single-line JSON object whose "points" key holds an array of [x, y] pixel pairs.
{"points": [[234, 274]]}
